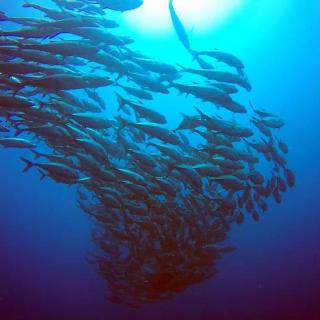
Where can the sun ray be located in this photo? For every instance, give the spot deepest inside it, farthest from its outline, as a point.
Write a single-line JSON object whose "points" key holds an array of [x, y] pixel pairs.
{"points": [[153, 17]]}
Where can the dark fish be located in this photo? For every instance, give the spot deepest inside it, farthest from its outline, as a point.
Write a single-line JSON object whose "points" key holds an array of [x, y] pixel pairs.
{"points": [[139, 93], [99, 35], [225, 57], [290, 177], [17, 102], [64, 48], [56, 169], [16, 143], [222, 76], [92, 120], [65, 82], [141, 110], [32, 32], [123, 5], [21, 21], [155, 66], [3, 129], [50, 13], [96, 97], [178, 26], [149, 82]]}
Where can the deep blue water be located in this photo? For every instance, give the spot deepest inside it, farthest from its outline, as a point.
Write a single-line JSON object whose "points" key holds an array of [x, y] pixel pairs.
{"points": [[275, 271]]}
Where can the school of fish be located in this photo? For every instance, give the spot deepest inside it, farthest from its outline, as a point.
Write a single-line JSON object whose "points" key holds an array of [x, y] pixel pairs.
{"points": [[163, 198]]}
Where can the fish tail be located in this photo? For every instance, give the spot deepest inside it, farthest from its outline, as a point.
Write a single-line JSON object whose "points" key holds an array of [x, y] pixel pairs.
{"points": [[251, 105], [3, 16], [26, 4], [121, 101], [18, 132], [182, 67], [122, 124], [19, 87], [194, 54], [94, 69], [28, 164], [200, 112], [43, 175], [36, 154]]}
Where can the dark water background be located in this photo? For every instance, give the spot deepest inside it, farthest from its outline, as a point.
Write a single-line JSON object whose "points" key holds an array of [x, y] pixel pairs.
{"points": [[275, 271]]}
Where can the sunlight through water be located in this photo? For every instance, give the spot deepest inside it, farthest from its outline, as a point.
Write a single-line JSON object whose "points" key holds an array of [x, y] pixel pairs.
{"points": [[154, 17]]}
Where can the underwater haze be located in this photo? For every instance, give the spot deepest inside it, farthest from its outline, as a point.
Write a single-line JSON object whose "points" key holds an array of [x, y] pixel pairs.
{"points": [[54, 263]]}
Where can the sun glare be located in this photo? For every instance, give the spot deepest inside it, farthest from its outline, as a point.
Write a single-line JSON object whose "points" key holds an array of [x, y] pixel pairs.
{"points": [[154, 17]]}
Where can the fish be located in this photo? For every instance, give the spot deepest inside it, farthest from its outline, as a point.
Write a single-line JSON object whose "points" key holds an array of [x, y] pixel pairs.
{"points": [[56, 169], [164, 190], [3, 129], [221, 56], [290, 177], [16, 143], [179, 27], [64, 48], [50, 13], [16, 102], [98, 35], [206, 93], [222, 76], [139, 93], [96, 97], [92, 120], [123, 5], [65, 82], [142, 111], [148, 82], [155, 66], [156, 131], [19, 20]]}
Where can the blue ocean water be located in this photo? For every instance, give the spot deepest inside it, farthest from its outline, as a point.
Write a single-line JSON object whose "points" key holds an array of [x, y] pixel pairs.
{"points": [[275, 271]]}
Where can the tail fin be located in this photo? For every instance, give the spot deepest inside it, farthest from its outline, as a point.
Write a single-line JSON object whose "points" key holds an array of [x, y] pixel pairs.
{"points": [[204, 116], [194, 54], [3, 16], [43, 175], [121, 101], [19, 87], [41, 104], [123, 123], [27, 4], [36, 154], [251, 105], [28, 164], [182, 67], [18, 132]]}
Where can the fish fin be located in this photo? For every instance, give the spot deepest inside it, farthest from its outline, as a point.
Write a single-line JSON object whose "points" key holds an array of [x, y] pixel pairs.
{"points": [[182, 67], [43, 175], [203, 115], [123, 123], [36, 154], [121, 101], [17, 89], [27, 4], [194, 54], [52, 35], [28, 164], [3, 16], [136, 115], [41, 103], [93, 69]]}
